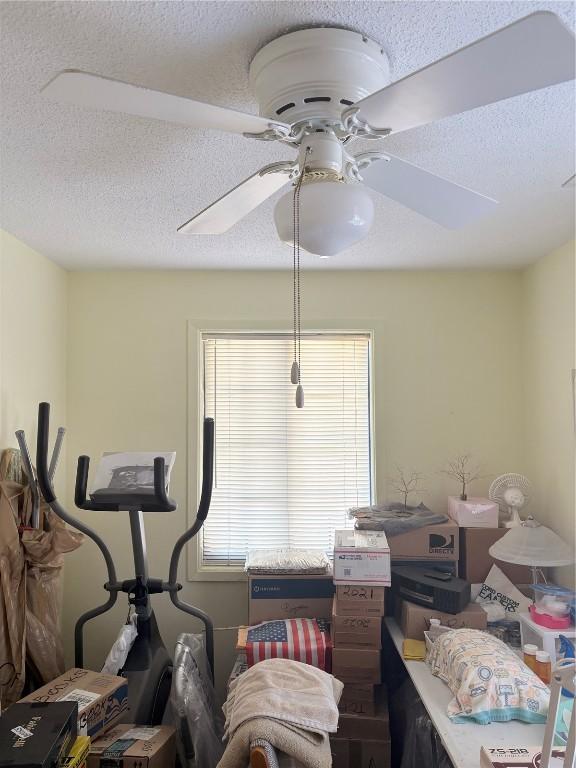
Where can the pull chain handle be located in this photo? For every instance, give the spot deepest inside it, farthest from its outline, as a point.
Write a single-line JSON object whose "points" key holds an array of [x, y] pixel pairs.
{"points": [[295, 372]]}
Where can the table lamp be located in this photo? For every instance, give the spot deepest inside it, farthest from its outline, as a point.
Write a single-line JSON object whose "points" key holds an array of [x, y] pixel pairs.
{"points": [[533, 545]]}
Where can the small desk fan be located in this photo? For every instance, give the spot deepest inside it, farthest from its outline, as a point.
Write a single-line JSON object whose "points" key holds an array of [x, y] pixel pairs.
{"points": [[512, 493]]}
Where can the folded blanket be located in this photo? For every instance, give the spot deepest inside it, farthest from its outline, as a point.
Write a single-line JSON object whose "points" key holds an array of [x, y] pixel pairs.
{"points": [[394, 518], [293, 706], [286, 560]]}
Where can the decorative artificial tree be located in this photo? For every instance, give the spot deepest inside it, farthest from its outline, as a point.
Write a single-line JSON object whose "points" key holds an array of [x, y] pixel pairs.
{"points": [[405, 484], [460, 470], [469, 512]]}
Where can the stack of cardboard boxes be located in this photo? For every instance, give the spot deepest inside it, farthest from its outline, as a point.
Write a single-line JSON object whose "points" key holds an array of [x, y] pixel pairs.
{"points": [[361, 574], [72, 722], [455, 546], [430, 547]]}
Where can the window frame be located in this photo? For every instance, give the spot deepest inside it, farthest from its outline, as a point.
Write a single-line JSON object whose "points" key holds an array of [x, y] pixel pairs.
{"points": [[196, 570]]}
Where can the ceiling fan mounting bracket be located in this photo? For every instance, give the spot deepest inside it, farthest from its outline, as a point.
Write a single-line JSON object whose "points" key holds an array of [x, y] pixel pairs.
{"points": [[283, 166], [354, 164], [276, 132], [355, 125]]}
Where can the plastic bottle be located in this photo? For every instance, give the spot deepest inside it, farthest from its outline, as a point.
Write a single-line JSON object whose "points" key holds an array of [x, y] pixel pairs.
{"points": [[530, 652], [543, 666], [434, 630]]}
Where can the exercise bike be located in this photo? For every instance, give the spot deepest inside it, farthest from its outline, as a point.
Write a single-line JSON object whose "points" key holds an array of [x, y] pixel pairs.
{"points": [[148, 666]]}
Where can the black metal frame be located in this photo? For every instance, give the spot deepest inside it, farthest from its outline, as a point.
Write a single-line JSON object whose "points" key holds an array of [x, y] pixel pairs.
{"points": [[142, 586]]}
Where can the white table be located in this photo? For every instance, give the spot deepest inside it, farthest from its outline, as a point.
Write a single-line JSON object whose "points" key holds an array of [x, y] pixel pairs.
{"points": [[461, 742]]}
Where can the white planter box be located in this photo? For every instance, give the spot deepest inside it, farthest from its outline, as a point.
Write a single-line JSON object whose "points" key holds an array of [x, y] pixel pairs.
{"points": [[475, 512]]}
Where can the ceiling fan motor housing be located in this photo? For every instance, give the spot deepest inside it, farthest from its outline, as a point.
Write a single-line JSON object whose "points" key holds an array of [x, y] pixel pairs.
{"points": [[315, 74]]}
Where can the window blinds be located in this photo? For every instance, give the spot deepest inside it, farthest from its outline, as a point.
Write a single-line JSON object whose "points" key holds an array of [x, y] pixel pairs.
{"points": [[285, 476]]}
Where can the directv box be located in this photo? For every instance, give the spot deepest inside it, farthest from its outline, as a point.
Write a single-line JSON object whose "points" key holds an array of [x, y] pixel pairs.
{"points": [[431, 542], [37, 734], [289, 597]]}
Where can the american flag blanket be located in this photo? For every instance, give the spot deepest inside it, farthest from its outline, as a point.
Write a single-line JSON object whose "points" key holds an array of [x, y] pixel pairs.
{"points": [[306, 640]]}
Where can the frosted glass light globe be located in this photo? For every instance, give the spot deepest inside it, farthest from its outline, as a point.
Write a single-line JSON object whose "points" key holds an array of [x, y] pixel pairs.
{"points": [[333, 216]]}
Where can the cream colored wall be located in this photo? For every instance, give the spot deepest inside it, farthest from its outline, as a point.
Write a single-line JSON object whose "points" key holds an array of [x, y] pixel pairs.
{"points": [[548, 295], [447, 380], [33, 339]]}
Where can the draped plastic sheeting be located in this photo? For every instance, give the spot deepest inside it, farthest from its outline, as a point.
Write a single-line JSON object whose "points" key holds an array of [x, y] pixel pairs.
{"points": [[198, 721], [31, 565]]}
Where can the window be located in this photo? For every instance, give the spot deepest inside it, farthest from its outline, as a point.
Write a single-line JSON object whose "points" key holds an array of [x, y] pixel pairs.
{"points": [[285, 476]]}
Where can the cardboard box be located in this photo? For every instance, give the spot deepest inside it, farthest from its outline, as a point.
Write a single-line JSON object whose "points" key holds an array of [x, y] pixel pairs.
{"points": [[355, 631], [518, 757], [356, 665], [102, 699], [365, 727], [414, 619], [431, 542], [369, 754], [37, 734], [360, 754], [355, 600], [340, 749], [361, 557], [475, 562], [134, 746], [474, 512], [358, 700], [289, 597]]}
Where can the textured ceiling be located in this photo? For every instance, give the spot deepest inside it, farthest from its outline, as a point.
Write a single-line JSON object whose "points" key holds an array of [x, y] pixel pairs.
{"points": [[101, 190]]}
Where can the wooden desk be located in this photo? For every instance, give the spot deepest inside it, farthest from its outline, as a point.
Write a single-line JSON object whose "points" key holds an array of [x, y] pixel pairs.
{"points": [[461, 742]]}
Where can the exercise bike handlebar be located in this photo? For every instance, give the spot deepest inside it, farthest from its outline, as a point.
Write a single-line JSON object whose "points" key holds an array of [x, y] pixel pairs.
{"points": [[102, 501], [44, 479], [203, 507], [45, 483], [205, 498]]}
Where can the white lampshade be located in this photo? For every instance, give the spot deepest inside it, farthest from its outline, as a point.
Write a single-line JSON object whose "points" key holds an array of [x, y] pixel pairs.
{"points": [[532, 544], [333, 216]]}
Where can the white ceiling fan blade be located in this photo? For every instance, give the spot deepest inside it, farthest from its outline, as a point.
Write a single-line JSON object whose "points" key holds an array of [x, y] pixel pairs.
{"points": [[446, 203], [238, 202], [86, 90], [532, 53]]}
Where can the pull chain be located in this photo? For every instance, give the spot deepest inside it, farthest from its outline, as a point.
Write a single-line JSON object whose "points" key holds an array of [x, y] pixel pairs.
{"points": [[295, 372]]}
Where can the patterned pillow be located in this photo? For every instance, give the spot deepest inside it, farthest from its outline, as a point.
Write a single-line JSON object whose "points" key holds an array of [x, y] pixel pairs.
{"points": [[489, 682]]}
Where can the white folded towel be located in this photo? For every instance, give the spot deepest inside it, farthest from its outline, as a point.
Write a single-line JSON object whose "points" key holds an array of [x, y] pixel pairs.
{"points": [[292, 705], [294, 693]]}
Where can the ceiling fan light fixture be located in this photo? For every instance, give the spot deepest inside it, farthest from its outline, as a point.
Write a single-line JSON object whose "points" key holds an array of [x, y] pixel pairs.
{"points": [[334, 215]]}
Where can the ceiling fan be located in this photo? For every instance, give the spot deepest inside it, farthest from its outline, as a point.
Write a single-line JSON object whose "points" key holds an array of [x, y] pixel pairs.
{"points": [[321, 88]]}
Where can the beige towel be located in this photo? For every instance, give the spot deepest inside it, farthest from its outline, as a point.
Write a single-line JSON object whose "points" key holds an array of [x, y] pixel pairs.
{"points": [[292, 705], [307, 753]]}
